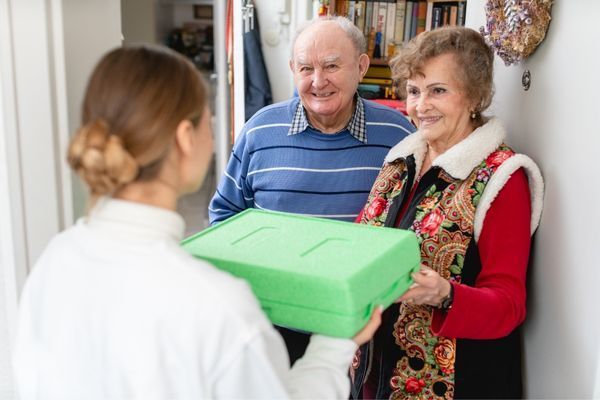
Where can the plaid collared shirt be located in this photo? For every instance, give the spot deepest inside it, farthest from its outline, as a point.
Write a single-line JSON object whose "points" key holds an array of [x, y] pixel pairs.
{"points": [[357, 125]]}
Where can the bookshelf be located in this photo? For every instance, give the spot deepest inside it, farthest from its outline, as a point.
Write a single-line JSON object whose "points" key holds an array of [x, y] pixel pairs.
{"points": [[387, 25]]}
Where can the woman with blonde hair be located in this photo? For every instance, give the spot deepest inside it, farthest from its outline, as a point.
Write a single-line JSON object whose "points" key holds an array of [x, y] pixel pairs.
{"points": [[114, 308]]}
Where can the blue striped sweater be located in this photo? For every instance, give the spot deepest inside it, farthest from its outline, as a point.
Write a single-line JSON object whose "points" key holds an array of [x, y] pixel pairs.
{"points": [[310, 173]]}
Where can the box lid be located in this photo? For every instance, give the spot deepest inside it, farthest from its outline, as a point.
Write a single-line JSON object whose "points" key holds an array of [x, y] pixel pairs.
{"points": [[313, 263]]}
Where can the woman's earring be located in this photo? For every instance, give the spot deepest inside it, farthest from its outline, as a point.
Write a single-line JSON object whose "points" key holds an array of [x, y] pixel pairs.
{"points": [[473, 114]]}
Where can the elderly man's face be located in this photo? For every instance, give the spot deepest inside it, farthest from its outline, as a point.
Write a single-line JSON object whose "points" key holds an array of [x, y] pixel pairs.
{"points": [[327, 69]]}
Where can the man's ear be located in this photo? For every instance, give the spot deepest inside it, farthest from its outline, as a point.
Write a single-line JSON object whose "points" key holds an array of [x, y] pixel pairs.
{"points": [[184, 137], [292, 65], [363, 64]]}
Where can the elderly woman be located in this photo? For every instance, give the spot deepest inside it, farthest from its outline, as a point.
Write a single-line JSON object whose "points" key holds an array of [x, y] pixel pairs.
{"points": [[473, 204]]}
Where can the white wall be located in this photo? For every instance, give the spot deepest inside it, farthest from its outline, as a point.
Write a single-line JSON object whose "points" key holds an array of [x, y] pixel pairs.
{"points": [[36, 97], [138, 17], [81, 52], [275, 38], [278, 20], [47, 49], [13, 250], [8, 279], [555, 122]]}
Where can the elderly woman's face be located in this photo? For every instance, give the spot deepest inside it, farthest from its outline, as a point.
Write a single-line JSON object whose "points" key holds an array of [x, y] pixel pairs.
{"points": [[437, 104], [327, 70]]}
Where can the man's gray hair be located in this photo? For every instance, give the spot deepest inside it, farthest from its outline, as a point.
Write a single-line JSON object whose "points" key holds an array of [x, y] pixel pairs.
{"points": [[352, 32]]}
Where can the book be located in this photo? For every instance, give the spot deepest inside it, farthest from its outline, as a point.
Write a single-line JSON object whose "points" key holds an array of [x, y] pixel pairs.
{"points": [[462, 9], [359, 13], [375, 15], [371, 43], [376, 81], [381, 25], [429, 18], [453, 15], [326, 9], [414, 23], [378, 71], [421, 16], [390, 30], [408, 20], [368, 18], [445, 14], [399, 26], [351, 13], [436, 20], [341, 8]]}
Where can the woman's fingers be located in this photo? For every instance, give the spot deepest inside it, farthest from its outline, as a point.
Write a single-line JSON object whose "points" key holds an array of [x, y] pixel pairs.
{"points": [[425, 290], [426, 278], [368, 331]]}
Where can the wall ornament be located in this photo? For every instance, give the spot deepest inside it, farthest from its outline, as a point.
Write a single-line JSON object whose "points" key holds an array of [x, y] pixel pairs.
{"points": [[514, 28]]}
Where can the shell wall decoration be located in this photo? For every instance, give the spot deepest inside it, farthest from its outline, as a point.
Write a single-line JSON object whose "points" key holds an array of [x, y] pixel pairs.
{"points": [[514, 28]]}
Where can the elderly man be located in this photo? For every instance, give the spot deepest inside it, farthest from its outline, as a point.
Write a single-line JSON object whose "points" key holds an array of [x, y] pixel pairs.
{"points": [[318, 154]]}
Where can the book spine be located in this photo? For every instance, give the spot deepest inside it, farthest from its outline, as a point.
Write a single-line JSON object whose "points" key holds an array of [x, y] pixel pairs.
{"points": [[368, 18], [462, 8], [345, 8], [359, 12], [453, 15], [437, 17], [421, 17], [446, 14], [376, 81], [371, 43], [351, 11], [375, 16], [414, 23], [390, 29], [408, 20], [379, 71], [429, 15], [381, 24], [399, 27], [339, 7]]}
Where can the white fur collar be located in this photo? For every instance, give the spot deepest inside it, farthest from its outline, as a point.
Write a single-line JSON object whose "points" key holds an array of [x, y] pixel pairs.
{"points": [[460, 159]]}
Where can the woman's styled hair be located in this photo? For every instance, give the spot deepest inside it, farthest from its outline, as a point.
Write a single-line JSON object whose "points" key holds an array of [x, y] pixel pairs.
{"points": [[134, 101], [474, 61]]}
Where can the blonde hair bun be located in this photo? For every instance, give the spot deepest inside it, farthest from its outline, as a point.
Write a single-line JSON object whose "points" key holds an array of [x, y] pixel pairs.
{"points": [[100, 159]]}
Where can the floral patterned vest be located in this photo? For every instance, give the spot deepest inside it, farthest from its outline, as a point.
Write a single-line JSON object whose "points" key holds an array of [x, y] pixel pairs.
{"points": [[412, 362]]}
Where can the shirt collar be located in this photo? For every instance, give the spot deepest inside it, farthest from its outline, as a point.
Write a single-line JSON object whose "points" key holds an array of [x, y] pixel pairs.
{"points": [[135, 220], [357, 125]]}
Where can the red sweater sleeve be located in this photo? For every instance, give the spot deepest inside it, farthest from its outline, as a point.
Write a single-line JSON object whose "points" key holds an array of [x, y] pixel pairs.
{"points": [[496, 304], [360, 215]]}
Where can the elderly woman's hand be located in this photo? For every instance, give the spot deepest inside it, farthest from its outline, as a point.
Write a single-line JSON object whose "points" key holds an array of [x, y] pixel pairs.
{"points": [[429, 288]]}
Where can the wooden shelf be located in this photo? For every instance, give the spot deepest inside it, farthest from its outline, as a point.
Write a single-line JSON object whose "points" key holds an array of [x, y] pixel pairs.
{"points": [[397, 22], [380, 61]]}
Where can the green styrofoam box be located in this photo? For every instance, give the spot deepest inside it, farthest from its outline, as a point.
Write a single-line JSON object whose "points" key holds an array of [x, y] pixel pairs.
{"points": [[312, 274]]}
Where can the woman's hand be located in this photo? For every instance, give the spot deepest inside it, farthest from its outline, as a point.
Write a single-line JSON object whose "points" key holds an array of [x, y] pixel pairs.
{"points": [[368, 331], [429, 288]]}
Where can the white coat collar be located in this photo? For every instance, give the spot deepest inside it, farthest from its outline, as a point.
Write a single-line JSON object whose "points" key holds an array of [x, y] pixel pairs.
{"points": [[459, 160], [133, 220]]}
